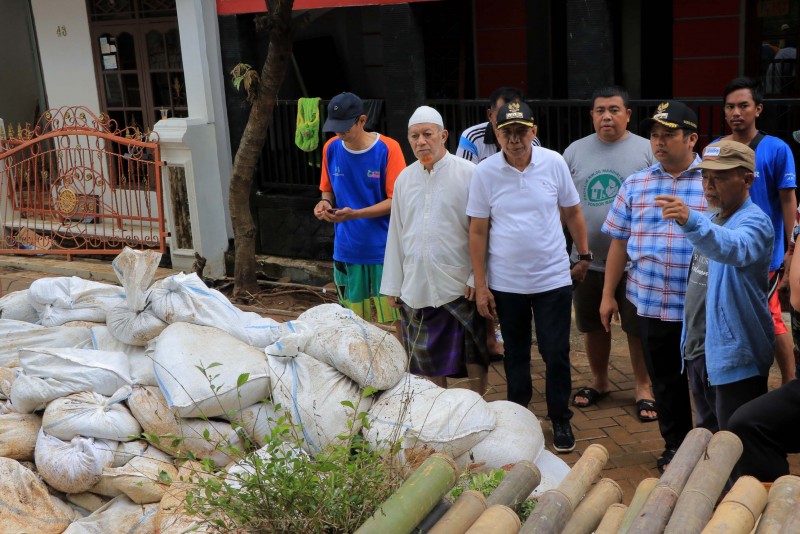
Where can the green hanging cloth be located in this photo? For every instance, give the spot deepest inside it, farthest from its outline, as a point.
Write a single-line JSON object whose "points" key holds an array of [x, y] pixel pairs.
{"points": [[306, 136]]}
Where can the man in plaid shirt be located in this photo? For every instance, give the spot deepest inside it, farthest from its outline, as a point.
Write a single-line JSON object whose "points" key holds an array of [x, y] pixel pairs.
{"points": [[660, 256]]}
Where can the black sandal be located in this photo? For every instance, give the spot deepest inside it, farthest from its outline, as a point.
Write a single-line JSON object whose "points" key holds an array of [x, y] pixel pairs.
{"points": [[591, 395], [664, 461]]}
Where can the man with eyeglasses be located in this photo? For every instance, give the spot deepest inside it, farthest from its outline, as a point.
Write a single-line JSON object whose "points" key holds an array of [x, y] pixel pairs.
{"points": [[359, 169], [659, 261], [515, 198], [599, 164]]}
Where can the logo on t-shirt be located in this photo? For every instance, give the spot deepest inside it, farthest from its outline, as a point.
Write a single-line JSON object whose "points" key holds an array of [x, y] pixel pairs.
{"points": [[602, 187], [373, 174]]}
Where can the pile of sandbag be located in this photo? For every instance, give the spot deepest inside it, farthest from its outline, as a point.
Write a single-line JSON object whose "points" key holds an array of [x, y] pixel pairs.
{"points": [[105, 390]]}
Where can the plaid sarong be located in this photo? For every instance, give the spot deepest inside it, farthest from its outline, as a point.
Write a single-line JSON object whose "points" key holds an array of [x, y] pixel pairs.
{"points": [[442, 341]]}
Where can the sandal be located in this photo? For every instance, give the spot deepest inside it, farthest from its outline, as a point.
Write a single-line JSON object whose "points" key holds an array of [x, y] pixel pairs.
{"points": [[666, 457], [646, 405], [591, 395]]}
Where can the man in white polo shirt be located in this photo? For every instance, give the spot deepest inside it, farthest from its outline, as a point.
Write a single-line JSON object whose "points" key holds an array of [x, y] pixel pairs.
{"points": [[521, 191]]}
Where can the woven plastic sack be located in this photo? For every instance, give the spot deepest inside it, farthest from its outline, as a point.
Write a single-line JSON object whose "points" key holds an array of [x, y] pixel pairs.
{"points": [[16, 306], [18, 434], [72, 466], [60, 300], [140, 478], [91, 415], [517, 436], [15, 335], [182, 349], [427, 417], [139, 358], [117, 515], [257, 421], [553, 470]]}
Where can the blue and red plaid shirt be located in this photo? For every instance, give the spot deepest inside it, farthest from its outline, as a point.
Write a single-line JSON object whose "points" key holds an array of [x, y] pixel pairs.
{"points": [[660, 254]]}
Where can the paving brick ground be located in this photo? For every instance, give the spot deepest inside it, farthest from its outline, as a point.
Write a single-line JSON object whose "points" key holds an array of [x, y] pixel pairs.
{"points": [[633, 446]]}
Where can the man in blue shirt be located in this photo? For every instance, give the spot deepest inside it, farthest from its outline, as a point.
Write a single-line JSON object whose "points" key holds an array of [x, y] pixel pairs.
{"points": [[772, 191]]}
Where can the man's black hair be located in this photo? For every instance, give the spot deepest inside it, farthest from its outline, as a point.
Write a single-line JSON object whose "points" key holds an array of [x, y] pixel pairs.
{"points": [[508, 94], [745, 83], [611, 91]]}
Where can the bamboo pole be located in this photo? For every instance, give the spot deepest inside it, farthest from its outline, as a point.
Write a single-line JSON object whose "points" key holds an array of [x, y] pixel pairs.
{"points": [[792, 525], [465, 511], [612, 519], [590, 511], [739, 510], [556, 506], [782, 500], [518, 484], [643, 491], [497, 519], [412, 501], [696, 503], [655, 513], [433, 517]]}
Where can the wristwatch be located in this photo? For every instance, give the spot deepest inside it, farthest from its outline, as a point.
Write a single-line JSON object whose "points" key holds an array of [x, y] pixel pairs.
{"points": [[586, 257]]}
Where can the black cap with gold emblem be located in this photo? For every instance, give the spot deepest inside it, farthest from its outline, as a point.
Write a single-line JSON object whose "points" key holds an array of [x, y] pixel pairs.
{"points": [[514, 113], [672, 114]]}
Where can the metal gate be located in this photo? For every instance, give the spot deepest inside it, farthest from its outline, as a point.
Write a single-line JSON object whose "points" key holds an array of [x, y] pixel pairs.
{"points": [[74, 183]]}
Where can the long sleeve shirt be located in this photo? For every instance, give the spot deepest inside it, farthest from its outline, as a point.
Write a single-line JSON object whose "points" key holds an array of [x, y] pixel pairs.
{"points": [[427, 261]]}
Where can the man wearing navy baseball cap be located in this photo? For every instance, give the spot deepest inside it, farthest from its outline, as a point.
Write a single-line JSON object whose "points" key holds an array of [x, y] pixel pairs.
{"points": [[359, 169]]}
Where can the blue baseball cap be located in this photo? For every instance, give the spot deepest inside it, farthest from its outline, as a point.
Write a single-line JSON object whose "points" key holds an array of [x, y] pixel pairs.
{"points": [[343, 111]]}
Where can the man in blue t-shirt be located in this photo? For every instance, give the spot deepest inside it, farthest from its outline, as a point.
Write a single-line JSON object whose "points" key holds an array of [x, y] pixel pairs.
{"points": [[772, 190]]}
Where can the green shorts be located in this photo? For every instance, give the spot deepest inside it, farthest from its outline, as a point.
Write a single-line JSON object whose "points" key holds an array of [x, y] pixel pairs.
{"points": [[359, 290]]}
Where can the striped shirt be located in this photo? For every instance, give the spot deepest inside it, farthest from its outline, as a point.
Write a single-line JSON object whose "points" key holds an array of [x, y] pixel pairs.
{"points": [[660, 253], [478, 143]]}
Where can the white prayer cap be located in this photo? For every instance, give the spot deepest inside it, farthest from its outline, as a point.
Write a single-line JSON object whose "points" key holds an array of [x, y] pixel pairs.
{"points": [[425, 114]]}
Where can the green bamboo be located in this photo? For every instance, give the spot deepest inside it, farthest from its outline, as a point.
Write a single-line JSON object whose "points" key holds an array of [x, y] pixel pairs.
{"points": [[782, 500], [641, 495], [590, 511], [655, 513], [696, 503], [518, 484], [497, 519], [556, 506], [739, 510], [465, 511], [612, 519], [412, 501]]}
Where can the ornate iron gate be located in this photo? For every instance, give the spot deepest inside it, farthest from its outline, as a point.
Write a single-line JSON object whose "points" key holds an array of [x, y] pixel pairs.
{"points": [[76, 184]]}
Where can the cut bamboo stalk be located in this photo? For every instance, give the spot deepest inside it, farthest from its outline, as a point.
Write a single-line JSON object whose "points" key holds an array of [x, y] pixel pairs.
{"points": [[792, 525], [414, 499], [556, 506], [433, 517], [697, 500], [464, 512], [739, 510], [518, 484], [612, 519], [643, 491], [497, 519], [590, 511], [782, 500], [655, 513]]}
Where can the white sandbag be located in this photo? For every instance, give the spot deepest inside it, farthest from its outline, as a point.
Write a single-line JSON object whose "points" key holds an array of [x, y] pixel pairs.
{"points": [[553, 470], [312, 392], [16, 306], [149, 407], [257, 421], [171, 517], [366, 353], [139, 358], [7, 407], [18, 434], [91, 415], [182, 348], [72, 466], [54, 373], [27, 506], [7, 377], [127, 450], [140, 479], [117, 515], [517, 436], [13, 338], [87, 501], [241, 470], [426, 416], [134, 327], [183, 298], [64, 299]]}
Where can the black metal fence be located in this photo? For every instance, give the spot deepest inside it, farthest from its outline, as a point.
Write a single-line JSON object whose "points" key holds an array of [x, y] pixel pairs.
{"points": [[285, 167]]}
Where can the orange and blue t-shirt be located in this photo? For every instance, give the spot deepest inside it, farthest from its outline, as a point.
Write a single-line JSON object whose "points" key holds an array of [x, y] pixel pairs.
{"points": [[359, 179]]}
